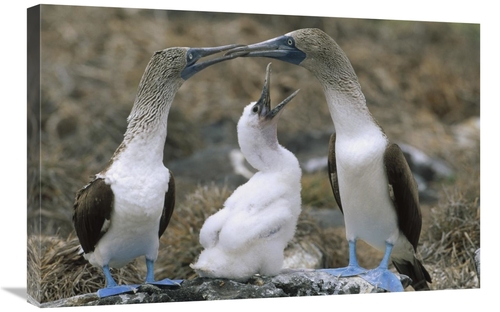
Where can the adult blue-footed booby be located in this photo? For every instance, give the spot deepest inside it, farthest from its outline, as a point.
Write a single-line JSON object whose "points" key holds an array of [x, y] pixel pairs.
{"points": [[124, 210], [371, 180], [249, 234]]}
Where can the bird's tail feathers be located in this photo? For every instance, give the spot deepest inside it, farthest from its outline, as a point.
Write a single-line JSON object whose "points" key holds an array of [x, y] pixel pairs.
{"points": [[414, 270]]}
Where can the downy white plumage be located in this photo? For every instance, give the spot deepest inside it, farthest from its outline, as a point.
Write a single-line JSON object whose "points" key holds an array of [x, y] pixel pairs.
{"points": [[249, 234], [370, 178]]}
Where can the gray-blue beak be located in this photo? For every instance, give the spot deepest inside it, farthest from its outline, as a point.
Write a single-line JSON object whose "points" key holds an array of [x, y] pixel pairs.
{"points": [[193, 55], [265, 99], [282, 48]]}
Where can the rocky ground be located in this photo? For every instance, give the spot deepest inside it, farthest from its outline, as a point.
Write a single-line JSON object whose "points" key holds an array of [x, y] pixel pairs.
{"points": [[421, 81], [288, 284]]}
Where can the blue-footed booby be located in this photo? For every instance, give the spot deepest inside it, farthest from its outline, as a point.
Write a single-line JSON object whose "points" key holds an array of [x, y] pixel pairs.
{"points": [[121, 214], [370, 178], [249, 234]]}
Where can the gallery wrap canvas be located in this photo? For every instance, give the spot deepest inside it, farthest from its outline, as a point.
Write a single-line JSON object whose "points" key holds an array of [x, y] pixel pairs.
{"points": [[84, 66]]}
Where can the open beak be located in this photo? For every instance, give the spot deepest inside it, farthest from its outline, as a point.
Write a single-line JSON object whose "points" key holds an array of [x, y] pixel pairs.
{"points": [[280, 106], [265, 99], [282, 48], [193, 55]]}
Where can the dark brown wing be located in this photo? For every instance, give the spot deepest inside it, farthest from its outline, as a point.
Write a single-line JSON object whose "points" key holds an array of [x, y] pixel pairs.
{"points": [[168, 205], [405, 193], [92, 207], [332, 171]]}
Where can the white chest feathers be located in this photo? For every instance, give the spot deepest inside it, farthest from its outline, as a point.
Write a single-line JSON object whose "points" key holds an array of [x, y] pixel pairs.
{"points": [[139, 190], [368, 209]]}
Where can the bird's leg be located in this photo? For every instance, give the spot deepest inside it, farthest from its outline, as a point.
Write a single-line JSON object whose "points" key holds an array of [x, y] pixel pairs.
{"points": [[384, 264], [164, 282], [353, 260], [381, 276], [112, 288], [110, 282], [352, 268], [150, 271]]}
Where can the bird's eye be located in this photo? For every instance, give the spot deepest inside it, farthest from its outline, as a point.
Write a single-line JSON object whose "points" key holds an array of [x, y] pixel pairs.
{"points": [[190, 56], [255, 109], [290, 42]]}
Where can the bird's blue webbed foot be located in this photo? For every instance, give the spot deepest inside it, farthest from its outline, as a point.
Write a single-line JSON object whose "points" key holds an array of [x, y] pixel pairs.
{"points": [[112, 288], [352, 269], [382, 277], [164, 282], [115, 290]]}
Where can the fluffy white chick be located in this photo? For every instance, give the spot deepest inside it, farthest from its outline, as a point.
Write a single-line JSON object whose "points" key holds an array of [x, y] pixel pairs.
{"points": [[249, 234]]}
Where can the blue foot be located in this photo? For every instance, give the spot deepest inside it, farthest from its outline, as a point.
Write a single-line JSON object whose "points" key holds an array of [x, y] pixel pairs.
{"points": [[167, 283], [383, 278], [351, 270], [112, 288], [164, 282], [115, 290]]}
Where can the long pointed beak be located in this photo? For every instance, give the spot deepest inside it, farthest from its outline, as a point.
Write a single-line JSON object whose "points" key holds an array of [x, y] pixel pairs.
{"points": [[193, 55], [280, 106], [265, 99], [282, 48]]}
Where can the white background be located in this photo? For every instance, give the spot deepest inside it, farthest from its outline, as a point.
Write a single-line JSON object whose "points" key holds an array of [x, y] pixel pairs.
{"points": [[13, 148]]}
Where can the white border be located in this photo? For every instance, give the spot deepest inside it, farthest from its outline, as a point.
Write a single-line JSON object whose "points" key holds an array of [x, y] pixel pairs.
{"points": [[13, 143]]}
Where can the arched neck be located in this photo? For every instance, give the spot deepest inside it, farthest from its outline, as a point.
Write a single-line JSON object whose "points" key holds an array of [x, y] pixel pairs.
{"points": [[349, 112], [263, 152], [144, 139]]}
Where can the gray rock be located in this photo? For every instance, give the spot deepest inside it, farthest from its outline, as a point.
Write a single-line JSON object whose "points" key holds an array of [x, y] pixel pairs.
{"points": [[422, 164], [290, 283], [317, 283], [303, 254], [425, 169], [315, 164]]}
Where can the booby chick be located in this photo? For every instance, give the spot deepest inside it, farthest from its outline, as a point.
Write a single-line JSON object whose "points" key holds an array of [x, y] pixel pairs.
{"points": [[370, 178], [121, 214], [249, 234]]}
